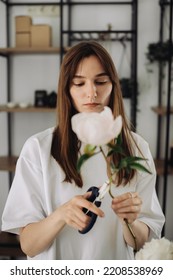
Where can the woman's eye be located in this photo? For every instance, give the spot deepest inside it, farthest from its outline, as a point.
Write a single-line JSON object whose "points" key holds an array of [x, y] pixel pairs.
{"points": [[101, 82], [77, 84]]}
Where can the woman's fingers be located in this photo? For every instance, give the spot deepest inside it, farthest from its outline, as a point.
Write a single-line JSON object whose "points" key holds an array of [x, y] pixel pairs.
{"points": [[76, 220], [127, 206], [127, 202], [82, 202], [73, 214]]}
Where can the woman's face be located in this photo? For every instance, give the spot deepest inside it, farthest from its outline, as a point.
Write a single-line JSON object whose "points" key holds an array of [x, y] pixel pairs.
{"points": [[91, 86]]}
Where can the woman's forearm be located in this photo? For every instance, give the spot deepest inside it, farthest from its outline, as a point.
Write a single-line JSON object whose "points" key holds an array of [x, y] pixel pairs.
{"points": [[140, 231], [37, 237]]}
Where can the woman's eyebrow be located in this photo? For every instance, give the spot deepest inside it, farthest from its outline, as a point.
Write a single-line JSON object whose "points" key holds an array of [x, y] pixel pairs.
{"points": [[78, 76], [102, 74], [98, 75]]}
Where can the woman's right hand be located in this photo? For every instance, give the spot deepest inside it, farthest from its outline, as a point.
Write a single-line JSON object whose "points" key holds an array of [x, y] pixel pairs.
{"points": [[43, 233], [72, 213]]}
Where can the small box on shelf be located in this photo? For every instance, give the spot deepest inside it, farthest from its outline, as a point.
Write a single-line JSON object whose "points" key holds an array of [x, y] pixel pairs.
{"points": [[23, 24], [40, 98], [23, 31], [40, 35], [23, 40]]}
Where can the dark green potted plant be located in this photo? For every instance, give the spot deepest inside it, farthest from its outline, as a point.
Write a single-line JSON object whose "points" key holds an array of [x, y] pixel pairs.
{"points": [[159, 51]]}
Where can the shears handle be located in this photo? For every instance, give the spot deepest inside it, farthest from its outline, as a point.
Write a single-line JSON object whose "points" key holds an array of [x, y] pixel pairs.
{"points": [[93, 216]]}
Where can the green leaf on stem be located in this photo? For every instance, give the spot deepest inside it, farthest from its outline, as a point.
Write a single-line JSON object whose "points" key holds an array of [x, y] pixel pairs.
{"points": [[115, 149], [132, 159], [132, 163], [119, 140], [139, 167], [122, 164]]}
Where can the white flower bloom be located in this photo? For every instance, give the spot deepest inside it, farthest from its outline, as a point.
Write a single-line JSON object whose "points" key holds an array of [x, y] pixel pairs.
{"points": [[156, 249], [96, 128]]}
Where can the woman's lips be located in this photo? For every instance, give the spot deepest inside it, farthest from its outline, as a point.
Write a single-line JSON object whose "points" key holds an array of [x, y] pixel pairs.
{"points": [[91, 104]]}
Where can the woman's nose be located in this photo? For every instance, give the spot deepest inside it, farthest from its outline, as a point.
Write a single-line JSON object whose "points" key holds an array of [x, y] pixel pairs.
{"points": [[91, 91]]}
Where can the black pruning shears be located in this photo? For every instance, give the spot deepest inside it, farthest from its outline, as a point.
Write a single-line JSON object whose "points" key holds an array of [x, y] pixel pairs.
{"points": [[96, 196]]}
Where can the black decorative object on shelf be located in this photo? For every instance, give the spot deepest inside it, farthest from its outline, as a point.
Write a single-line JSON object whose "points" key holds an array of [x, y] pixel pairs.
{"points": [[40, 98], [43, 99], [51, 99]]}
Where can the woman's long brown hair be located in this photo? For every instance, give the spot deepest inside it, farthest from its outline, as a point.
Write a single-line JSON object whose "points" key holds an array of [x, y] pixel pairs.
{"points": [[65, 145]]}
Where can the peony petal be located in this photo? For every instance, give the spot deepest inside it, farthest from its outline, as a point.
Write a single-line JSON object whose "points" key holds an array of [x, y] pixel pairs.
{"points": [[117, 126], [96, 128]]}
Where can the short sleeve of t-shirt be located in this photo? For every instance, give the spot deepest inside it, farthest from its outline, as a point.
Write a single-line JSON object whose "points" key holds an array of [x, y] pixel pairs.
{"points": [[25, 202]]}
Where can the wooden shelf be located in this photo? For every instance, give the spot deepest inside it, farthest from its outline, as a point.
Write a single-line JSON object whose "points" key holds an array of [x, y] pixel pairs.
{"points": [[9, 246], [49, 50], [160, 167], [5, 108], [161, 110], [8, 239], [8, 163]]}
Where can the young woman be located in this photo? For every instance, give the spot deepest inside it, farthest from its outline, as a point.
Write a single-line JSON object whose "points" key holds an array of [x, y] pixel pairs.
{"points": [[47, 196]]}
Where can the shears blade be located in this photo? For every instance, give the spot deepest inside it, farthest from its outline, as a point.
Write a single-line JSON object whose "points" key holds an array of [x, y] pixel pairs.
{"points": [[103, 190]]}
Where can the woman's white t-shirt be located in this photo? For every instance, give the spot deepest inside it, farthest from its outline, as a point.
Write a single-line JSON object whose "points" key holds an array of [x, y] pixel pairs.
{"points": [[38, 189]]}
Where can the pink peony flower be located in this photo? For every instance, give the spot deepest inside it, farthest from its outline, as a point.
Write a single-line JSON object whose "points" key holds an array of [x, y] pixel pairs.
{"points": [[156, 249], [96, 128]]}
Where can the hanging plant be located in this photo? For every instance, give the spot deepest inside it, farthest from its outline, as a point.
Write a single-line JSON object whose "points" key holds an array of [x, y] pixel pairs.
{"points": [[159, 51]]}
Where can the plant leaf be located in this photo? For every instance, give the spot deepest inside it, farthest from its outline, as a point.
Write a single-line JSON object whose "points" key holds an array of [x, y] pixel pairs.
{"points": [[134, 159], [119, 140], [122, 164], [115, 149], [139, 167], [132, 163]]}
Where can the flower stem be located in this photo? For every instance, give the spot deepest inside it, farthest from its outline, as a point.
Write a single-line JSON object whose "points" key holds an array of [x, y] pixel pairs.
{"points": [[104, 155], [108, 170], [107, 163]]}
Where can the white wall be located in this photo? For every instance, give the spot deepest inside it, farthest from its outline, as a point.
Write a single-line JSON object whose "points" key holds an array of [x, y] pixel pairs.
{"points": [[46, 70]]}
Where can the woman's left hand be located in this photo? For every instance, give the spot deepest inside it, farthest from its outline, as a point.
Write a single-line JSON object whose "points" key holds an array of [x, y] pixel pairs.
{"points": [[127, 206]]}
